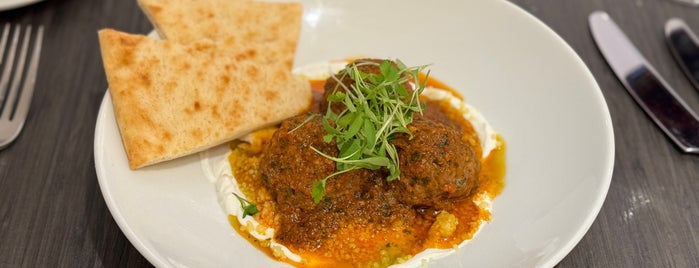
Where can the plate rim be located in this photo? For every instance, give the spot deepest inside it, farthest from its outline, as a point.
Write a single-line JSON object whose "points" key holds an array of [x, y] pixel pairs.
{"points": [[609, 136], [12, 4], [112, 205]]}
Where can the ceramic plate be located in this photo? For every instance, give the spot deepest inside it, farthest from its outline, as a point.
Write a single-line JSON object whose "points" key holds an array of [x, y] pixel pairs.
{"points": [[10, 4], [525, 80]]}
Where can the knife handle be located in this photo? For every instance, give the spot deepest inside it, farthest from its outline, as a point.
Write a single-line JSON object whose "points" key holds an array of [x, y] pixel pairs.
{"points": [[673, 115]]}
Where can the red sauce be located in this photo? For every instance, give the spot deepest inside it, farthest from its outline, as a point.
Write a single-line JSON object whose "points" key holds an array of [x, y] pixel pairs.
{"points": [[374, 244]]}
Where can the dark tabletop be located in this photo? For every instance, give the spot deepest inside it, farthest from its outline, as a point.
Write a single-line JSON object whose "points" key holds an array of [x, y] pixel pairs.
{"points": [[52, 212]]}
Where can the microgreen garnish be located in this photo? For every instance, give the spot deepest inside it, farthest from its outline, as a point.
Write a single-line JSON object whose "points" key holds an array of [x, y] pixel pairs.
{"points": [[308, 119], [377, 107], [249, 209]]}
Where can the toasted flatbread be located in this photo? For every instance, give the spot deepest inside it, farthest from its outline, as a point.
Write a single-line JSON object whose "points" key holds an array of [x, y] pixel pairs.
{"points": [[185, 21], [172, 100]]}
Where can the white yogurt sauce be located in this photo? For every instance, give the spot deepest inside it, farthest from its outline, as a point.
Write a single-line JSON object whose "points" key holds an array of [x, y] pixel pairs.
{"points": [[219, 170]]}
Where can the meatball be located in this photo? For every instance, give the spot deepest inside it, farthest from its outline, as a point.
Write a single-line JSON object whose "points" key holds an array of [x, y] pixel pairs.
{"points": [[437, 166], [370, 66], [289, 166]]}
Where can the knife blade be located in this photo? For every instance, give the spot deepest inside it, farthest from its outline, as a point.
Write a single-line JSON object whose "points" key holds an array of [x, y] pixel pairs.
{"points": [[684, 46], [644, 84]]}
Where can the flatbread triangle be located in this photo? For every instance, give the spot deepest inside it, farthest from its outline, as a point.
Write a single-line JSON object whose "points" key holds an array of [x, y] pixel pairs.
{"points": [[235, 21], [172, 100]]}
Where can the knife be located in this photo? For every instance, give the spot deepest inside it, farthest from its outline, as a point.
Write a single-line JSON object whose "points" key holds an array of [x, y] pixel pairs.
{"points": [[684, 45], [644, 84]]}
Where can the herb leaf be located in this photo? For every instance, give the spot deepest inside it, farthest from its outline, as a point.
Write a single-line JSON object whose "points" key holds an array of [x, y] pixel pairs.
{"points": [[318, 190], [249, 209], [377, 107]]}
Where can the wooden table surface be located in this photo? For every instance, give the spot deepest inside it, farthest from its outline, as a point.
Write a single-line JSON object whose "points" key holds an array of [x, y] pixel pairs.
{"points": [[52, 212]]}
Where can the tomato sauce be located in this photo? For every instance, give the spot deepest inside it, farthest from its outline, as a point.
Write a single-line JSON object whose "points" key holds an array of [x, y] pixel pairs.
{"points": [[361, 243]]}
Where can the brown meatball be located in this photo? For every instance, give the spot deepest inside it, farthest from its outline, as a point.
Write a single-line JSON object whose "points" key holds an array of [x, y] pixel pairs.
{"points": [[370, 66], [437, 166], [289, 169], [289, 166]]}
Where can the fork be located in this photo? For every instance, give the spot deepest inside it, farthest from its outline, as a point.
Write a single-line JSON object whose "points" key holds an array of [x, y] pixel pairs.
{"points": [[17, 79]]}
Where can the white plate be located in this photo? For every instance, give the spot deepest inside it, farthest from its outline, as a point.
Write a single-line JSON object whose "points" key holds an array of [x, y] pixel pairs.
{"points": [[525, 79], [10, 4]]}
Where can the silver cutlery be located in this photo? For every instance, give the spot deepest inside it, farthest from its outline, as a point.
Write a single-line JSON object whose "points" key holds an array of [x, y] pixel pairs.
{"points": [[644, 84], [693, 3], [684, 45], [17, 79]]}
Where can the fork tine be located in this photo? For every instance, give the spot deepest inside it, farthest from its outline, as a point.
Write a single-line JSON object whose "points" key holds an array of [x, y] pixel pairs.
{"points": [[8, 68], [11, 101], [15, 107], [29, 80], [3, 40]]}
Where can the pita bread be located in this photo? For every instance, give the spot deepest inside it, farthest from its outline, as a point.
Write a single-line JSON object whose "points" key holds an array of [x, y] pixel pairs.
{"points": [[171, 100], [187, 21]]}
